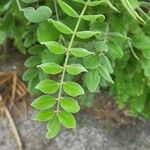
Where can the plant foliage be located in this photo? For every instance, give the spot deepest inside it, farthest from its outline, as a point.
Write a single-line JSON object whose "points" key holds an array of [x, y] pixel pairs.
{"points": [[77, 48]]}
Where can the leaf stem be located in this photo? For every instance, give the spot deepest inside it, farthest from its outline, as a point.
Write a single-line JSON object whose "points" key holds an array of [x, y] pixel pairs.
{"points": [[68, 54], [132, 50], [19, 6]]}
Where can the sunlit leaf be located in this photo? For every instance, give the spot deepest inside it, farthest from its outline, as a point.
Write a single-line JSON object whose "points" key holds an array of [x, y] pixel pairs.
{"points": [[69, 104], [67, 119], [61, 27], [67, 9], [73, 89], [44, 102], [48, 86], [53, 128], [51, 68], [44, 115], [80, 52], [75, 69]]}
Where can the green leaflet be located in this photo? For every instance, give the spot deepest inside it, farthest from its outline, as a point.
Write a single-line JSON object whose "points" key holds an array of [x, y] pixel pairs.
{"points": [[92, 61], [61, 27], [53, 128], [29, 1], [87, 34], [73, 89], [48, 86], [36, 49], [44, 102], [44, 115], [75, 69], [92, 79], [43, 31], [80, 52], [101, 46], [69, 104], [67, 9], [55, 47], [114, 50], [100, 17], [32, 61], [30, 74], [106, 63], [95, 3], [104, 73], [67, 119], [51, 68], [79, 1], [37, 15]]}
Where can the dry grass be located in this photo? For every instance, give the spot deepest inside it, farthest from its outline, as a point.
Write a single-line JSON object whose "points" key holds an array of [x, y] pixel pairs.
{"points": [[12, 92]]}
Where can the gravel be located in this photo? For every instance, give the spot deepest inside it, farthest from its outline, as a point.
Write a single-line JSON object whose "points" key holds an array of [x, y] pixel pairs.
{"points": [[90, 134]]}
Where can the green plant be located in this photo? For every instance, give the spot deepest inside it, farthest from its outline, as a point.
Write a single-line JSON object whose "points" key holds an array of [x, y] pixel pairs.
{"points": [[90, 45]]}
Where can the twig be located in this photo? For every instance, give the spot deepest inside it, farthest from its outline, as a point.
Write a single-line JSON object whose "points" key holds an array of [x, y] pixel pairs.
{"points": [[132, 50], [12, 124]]}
